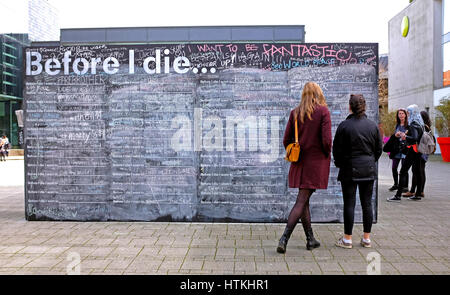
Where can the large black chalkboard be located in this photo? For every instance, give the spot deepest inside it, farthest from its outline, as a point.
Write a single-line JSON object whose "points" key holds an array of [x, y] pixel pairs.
{"points": [[182, 132]]}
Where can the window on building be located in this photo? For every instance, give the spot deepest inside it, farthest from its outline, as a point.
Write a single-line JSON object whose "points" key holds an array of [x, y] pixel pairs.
{"points": [[9, 59]]}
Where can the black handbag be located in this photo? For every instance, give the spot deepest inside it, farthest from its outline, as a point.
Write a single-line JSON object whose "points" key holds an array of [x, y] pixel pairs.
{"points": [[392, 146]]}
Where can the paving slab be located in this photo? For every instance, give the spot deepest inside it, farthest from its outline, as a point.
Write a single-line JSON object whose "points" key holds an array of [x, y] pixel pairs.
{"points": [[409, 238]]}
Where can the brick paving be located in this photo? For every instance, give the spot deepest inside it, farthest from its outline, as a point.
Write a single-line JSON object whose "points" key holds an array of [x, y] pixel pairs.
{"points": [[410, 238]]}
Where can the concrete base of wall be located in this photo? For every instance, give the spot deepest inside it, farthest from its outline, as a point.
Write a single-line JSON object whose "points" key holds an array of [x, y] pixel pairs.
{"points": [[16, 152]]}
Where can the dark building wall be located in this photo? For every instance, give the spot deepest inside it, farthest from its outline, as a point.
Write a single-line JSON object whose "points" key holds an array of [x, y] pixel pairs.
{"points": [[184, 34]]}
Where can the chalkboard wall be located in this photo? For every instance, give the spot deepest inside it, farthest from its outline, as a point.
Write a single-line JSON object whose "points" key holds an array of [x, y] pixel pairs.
{"points": [[179, 132]]}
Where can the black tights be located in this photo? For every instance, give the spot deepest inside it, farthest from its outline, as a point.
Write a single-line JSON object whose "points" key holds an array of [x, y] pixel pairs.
{"points": [[301, 210], [395, 163], [419, 168], [412, 160]]}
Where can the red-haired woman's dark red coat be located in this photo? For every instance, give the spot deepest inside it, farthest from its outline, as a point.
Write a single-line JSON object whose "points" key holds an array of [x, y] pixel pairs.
{"points": [[313, 168]]}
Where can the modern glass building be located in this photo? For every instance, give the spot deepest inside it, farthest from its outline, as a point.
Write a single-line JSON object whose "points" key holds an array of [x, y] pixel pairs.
{"points": [[21, 22], [11, 61]]}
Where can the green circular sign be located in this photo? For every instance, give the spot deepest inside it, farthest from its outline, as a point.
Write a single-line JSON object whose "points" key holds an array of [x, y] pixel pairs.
{"points": [[405, 26]]}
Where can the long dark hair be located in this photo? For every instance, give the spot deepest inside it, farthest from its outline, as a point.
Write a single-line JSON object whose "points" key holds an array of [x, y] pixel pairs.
{"points": [[406, 117], [357, 105], [426, 118]]}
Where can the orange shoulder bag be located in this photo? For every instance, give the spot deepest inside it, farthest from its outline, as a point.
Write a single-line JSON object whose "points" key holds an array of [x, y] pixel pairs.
{"points": [[293, 149]]}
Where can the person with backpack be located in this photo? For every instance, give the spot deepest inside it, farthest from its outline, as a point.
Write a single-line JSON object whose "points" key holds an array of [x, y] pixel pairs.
{"points": [[411, 194], [412, 137]]}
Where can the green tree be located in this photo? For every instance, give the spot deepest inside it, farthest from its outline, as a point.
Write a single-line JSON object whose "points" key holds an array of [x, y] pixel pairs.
{"points": [[443, 117], [388, 121]]}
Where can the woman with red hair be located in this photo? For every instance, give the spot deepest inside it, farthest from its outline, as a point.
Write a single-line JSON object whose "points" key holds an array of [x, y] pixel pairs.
{"points": [[312, 170]]}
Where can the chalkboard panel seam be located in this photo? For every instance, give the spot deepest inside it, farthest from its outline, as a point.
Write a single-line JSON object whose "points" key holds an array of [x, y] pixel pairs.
{"points": [[153, 184], [63, 157], [237, 175], [62, 193], [243, 203], [69, 175], [79, 184], [239, 185], [84, 166], [246, 194], [224, 155], [65, 149], [80, 202]]}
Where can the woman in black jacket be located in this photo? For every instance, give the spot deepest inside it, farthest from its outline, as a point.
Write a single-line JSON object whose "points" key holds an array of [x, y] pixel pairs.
{"points": [[357, 146], [412, 136], [421, 165], [393, 146]]}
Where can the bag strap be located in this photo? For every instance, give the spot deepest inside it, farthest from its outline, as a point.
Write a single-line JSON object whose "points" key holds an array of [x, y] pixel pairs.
{"points": [[296, 131]]}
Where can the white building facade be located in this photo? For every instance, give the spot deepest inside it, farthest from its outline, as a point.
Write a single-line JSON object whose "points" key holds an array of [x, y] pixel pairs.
{"points": [[36, 17], [415, 59], [43, 22]]}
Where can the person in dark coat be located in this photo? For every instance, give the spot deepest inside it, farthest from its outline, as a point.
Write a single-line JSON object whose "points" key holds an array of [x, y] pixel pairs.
{"points": [[394, 144], [412, 137], [357, 146], [411, 194], [312, 170]]}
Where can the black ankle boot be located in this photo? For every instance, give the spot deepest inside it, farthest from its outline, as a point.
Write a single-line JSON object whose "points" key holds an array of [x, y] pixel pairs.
{"points": [[284, 240], [311, 242]]}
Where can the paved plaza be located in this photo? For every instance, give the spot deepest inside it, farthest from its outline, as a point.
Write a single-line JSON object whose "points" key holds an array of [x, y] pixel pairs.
{"points": [[409, 238]]}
